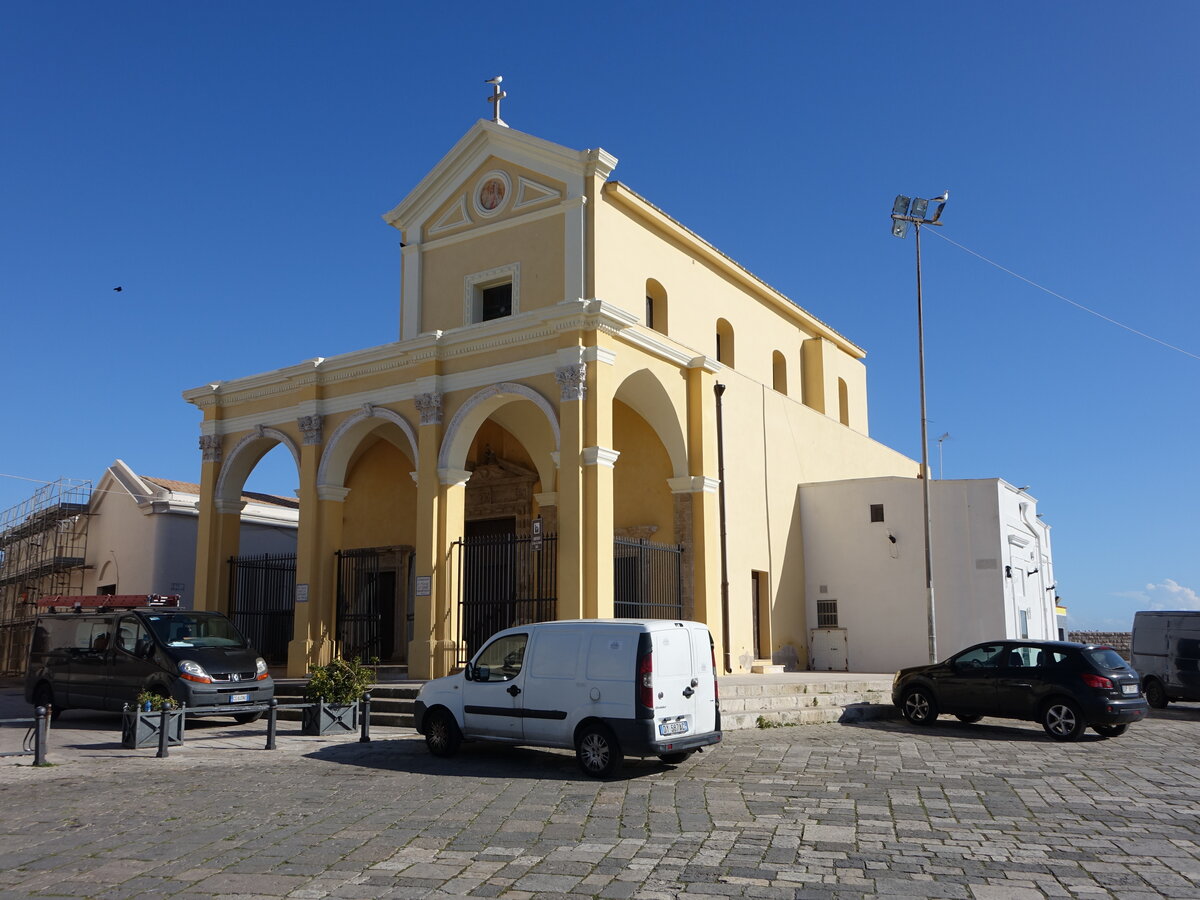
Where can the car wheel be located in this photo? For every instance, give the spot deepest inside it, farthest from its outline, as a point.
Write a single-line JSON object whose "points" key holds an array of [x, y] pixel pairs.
{"points": [[442, 736], [597, 750], [1062, 721], [43, 695], [1109, 730], [673, 758], [247, 718], [968, 720], [1155, 695], [919, 707]]}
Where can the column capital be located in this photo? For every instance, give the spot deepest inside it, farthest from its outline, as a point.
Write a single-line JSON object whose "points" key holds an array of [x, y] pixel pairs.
{"points": [[210, 447], [429, 405], [334, 492], [310, 427], [693, 484], [451, 477], [224, 507], [600, 456], [572, 379]]}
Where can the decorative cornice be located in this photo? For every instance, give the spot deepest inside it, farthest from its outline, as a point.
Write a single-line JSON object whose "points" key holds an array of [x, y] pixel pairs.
{"points": [[333, 492], [546, 498]]}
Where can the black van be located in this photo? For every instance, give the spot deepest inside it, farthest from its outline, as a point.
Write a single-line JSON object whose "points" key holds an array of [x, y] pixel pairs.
{"points": [[103, 659]]}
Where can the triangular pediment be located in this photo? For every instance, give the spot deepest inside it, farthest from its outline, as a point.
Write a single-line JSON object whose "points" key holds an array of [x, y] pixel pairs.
{"points": [[494, 172], [497, 190]]}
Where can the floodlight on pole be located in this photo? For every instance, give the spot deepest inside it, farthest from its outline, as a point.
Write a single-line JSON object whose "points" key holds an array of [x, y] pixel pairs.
{"points": [[906, 211]]}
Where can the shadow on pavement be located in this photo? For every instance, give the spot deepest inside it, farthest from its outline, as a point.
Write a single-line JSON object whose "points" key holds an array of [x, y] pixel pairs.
{"points": [[987, 730], [480, 759]]}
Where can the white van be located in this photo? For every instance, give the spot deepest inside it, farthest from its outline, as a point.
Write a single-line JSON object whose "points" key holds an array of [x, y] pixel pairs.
{"points": [[1166, 653], [606, 687]]}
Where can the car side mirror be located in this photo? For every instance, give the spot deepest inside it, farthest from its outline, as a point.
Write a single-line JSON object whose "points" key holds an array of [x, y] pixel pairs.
{"points": [[481, 673]]}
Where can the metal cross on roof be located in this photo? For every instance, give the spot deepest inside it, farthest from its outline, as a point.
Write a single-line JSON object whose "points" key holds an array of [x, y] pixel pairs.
{"points": [[497, 96]]}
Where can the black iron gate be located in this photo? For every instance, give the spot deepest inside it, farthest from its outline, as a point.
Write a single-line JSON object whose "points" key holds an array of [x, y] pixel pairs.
{"points": [[360, 604], [646, 580], [262, 601], [504, 580]]}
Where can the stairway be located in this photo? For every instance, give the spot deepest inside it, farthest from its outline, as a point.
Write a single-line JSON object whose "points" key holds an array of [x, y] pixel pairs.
{"points": [[747, 701], [807, 698]]}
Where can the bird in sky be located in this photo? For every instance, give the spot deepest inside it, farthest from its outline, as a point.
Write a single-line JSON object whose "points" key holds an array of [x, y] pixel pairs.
{"points": [[118, 288]]}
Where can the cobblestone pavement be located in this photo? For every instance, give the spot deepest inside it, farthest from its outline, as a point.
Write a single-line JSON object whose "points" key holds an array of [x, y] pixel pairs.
{"points": [[994, 811]]}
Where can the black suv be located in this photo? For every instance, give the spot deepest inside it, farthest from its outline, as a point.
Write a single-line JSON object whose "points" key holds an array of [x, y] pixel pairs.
{"points": [[1065, 686]]}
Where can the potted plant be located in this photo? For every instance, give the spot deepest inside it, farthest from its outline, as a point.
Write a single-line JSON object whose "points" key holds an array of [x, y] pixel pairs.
{"points": [[335, 689], [140, 725]]}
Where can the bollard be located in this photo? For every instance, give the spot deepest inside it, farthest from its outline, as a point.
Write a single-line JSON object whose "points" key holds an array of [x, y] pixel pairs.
{"points": [[163, 727], [42, 716], [366, 719], [271, 705]]}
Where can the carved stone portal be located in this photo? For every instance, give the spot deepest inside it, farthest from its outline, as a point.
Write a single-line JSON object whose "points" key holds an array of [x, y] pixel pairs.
{"points": [[501, 489]]}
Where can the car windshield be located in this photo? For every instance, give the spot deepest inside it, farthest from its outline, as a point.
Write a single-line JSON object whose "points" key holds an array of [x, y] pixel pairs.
{"points": [[195, 630], [1106, 658]]}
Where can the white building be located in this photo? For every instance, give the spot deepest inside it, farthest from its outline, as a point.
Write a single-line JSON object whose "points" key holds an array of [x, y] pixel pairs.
{"points": [[141, 533], [864, 569]]}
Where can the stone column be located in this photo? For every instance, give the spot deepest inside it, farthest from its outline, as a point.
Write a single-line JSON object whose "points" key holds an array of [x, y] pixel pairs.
{"points": [[426, 608], [701, 487]]}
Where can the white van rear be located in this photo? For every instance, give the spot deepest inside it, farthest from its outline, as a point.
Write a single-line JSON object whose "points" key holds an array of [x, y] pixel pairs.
{"points": [[606, 687]]}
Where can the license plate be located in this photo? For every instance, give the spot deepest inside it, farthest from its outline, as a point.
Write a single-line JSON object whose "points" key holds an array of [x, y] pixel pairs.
{"points": [[672, 728], [239, 698], [1129, 689]]}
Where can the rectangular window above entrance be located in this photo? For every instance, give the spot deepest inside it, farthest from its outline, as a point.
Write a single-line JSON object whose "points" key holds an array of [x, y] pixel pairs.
{"points": [[492, 294], [496, 302]]}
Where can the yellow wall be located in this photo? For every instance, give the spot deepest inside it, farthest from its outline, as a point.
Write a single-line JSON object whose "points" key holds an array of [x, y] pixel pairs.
{"points": [[538, 247], [380, 510], [641, 495]]}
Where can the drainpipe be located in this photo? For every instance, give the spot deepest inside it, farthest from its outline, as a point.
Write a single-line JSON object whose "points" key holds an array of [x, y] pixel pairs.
{"points": [[719, 390], [1035, 528]]}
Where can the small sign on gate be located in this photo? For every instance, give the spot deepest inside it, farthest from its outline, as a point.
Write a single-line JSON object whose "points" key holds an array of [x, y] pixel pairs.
{"points": [[535, 535], [302, 593]]}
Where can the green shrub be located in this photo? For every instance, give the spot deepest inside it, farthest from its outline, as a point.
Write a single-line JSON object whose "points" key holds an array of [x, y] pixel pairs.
{"points": [[157, 701], [340, 682]]}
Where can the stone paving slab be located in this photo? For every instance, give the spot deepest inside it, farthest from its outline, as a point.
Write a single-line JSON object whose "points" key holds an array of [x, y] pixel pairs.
{"points": [[994, 811]]}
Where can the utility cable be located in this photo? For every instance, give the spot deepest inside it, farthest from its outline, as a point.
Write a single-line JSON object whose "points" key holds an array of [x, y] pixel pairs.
{"points": [[1098, 315]]}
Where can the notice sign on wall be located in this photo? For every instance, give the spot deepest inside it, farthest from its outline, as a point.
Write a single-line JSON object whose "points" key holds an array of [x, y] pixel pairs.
{"points": [[424, 585], [302, 593]]}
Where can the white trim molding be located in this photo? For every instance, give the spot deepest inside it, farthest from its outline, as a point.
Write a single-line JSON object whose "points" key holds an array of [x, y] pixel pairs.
{"points": [[474, 284]]}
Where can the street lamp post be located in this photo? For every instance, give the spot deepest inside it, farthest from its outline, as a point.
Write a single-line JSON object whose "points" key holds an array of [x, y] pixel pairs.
{"points": [[906, 211]]}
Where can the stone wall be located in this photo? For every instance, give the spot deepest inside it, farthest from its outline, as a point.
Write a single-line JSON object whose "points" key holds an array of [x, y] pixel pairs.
{"points": [[1118, 640]]}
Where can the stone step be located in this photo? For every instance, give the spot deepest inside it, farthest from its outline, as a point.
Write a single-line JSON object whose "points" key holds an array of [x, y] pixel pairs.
{"points": [[744, 704], [824, 715]]}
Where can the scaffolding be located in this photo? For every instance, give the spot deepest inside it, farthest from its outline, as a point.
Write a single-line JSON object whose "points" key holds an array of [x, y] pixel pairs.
{"points": [[43, 543]]}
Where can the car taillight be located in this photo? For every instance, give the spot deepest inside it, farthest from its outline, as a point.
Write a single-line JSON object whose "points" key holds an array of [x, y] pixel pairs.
{"points": [[645, 680], [1099, 682], [713, 650]]}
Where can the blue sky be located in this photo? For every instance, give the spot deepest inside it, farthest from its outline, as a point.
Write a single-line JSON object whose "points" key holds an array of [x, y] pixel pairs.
{"points": [[227, 164]]}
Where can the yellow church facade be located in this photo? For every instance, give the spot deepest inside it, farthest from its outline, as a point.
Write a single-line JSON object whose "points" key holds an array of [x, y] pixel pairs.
{"points": [[590, 411]]}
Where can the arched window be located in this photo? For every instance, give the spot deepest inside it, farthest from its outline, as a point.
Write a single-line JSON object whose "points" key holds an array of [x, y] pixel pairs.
{"points": [[779, 372], [843, 402], [724, 343], [656, 306]]}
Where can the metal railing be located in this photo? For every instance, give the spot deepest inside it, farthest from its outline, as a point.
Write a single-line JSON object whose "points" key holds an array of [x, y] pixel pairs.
{"points": [[647, 581], [504, 580], [270, 707]]}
